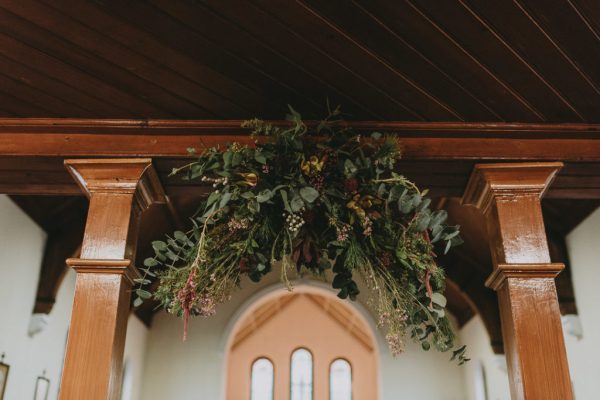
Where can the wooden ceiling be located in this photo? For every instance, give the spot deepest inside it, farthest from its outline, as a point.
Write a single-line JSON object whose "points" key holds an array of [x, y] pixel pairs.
{"points": [[413, 60]]}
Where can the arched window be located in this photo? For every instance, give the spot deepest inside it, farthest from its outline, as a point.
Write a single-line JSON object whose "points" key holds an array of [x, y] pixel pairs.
{"points": [[301, 375], [262, 380], [340, 380]]}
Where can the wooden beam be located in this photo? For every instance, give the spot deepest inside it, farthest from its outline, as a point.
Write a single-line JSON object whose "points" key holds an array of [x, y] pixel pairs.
{"points": [[171, 138], [509, 197]]}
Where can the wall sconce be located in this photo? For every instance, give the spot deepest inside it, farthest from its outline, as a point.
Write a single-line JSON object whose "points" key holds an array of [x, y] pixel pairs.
{"points": [[42, 387]]}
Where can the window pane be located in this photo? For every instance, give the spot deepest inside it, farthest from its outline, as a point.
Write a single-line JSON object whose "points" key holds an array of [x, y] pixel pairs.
{"points": [[301, 375], [340, 380], [262, 380]]}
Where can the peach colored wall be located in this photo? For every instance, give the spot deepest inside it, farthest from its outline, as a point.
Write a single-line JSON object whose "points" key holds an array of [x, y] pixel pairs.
{"points": [[302, 324]]}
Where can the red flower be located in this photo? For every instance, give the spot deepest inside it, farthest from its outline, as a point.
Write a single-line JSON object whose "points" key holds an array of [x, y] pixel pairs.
{"points": [[351, 185], [244, 265]]}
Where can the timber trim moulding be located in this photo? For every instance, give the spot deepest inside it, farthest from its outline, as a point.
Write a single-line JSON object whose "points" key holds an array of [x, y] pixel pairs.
{"points": [[171, 138]]}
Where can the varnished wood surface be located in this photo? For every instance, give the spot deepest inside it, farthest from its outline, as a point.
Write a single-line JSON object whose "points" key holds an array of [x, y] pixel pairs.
{"points": [[119, 190], [414, 60], [509, 195]]}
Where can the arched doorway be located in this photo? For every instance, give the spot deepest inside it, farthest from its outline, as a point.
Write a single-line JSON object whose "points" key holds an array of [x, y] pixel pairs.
{"points": [[304, 345]]}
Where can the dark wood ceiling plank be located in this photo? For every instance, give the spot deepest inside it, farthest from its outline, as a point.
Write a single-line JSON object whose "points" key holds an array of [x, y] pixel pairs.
{"points": [[277, 32], [241, 35], [380, 42], [123, 105], [532, 47], [12, 104], [589, 12], [560, 23], [425, 35], [180, 48], [49, 85], [479, 40], [54, 105], [414, 91], [141, 54], [316, 31], [90, 51]]}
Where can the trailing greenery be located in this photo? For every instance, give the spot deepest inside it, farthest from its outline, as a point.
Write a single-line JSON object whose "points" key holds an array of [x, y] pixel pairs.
{"points": [[313, 199]]}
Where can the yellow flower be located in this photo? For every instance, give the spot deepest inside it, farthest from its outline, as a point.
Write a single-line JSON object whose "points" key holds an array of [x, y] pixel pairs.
{"points": [[313, 166], [250, 178], [361, 205]]}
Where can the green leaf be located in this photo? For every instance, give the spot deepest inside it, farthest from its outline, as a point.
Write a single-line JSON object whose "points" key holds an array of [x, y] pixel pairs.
{"points": [[144, 294], [180, 236], [150, 262], [264, 195], [227, 156], [349, 168], [159, 246], [212, 198], [439, 299], [376, 135], [225, 199], [297, 204], [309, 194], [142, 281], [138, 302], [254, 206], [260, 158], [284, 198], [236, 159], [261, 267]]}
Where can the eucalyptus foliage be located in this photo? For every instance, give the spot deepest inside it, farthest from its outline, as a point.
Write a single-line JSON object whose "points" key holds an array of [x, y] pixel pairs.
{"points": [[314, 199]]}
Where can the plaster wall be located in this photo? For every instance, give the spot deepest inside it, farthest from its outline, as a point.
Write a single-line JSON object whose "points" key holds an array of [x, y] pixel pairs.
{"points": [[21, 249], [196, 369]]}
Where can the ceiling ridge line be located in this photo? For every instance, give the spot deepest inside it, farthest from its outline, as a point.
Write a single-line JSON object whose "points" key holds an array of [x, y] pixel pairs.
{"points": [[522, 59], [352, 72], [505, 85], [584, 19], [382, 61], [556, 45], [427, 59]]}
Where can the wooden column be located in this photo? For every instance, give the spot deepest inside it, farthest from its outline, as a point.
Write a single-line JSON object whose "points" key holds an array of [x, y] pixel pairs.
{"points": [[509, 196], [118, 189]]}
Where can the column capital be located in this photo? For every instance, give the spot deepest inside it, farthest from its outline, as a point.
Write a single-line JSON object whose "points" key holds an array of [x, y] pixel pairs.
{"points": [[98, 266], [134, 176], [502, 272], [489, 181]]}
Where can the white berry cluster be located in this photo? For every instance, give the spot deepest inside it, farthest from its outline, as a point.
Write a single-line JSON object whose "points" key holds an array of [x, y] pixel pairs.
{"points": [[215, 181], [294, 222]]}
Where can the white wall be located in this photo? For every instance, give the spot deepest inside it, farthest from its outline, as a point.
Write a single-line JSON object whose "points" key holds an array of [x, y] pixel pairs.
{"points": [[584, 252], [195, 369], [479, 350], [21, 250]]}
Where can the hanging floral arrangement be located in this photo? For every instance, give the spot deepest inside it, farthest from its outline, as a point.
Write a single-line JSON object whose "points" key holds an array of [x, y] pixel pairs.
{"points": [[323, 200]]}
